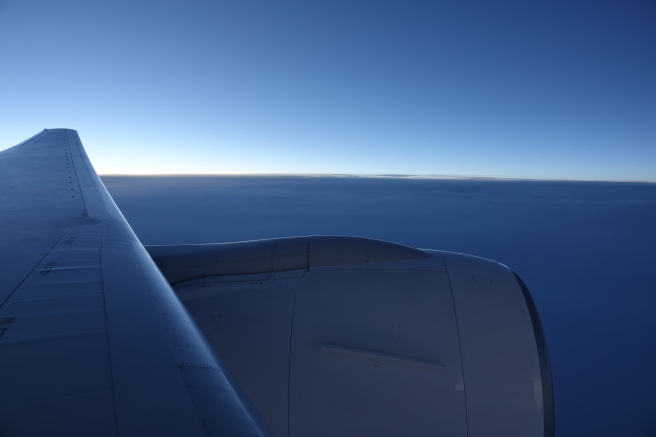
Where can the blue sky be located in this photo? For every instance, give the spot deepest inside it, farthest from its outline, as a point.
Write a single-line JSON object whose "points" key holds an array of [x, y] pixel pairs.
{"points": [[559, 89]]}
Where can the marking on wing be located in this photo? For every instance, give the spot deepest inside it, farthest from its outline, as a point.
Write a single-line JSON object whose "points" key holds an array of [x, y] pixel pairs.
{"points": [[31, 271], [4, 322], [77, 179]]}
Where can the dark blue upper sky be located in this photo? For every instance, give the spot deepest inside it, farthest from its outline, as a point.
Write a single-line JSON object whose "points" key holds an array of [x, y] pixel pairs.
{"points": [[558, 89]]}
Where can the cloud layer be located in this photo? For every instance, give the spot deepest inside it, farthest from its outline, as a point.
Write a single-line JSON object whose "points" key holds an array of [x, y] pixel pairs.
{"points": [[586, 251]]}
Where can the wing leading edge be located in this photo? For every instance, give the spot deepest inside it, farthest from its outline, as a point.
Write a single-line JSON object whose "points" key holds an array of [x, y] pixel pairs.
{"points": [[93, 341]]}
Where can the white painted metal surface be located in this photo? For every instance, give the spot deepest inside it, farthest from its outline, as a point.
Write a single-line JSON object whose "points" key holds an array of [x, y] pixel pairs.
{"points": [[325, 335], [93, 340], [403, 342]]}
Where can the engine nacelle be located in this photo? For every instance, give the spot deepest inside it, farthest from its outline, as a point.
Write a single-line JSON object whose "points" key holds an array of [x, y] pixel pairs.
{"points": [[349, 336]]}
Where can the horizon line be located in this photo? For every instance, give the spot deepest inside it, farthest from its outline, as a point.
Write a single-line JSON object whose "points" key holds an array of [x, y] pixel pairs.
{"points": [[375, 176]]}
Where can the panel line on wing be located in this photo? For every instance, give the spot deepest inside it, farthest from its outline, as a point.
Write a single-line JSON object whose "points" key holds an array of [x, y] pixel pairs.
{"points": [[380, 356], [109, 343]]}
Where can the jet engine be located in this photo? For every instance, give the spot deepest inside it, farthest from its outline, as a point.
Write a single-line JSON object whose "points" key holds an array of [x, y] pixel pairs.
{"points": [[343, 336]]}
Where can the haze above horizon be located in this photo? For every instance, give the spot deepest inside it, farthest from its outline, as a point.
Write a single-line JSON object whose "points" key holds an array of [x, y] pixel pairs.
{"points": [[512, 89]]}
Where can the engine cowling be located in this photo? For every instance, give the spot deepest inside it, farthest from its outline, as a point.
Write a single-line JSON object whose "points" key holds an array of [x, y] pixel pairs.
{"points": [[352, 336]]}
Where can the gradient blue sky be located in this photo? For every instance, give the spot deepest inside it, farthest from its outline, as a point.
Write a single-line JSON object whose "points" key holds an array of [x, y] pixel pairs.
{"points": [[529, 89]]}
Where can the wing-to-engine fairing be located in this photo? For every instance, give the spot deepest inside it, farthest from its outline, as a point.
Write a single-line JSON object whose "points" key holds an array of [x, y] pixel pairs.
{"points": [[300, 336]]}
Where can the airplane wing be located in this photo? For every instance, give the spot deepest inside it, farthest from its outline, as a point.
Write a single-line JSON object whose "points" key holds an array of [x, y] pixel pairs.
{"points": [[322, 336], [93, 340]]}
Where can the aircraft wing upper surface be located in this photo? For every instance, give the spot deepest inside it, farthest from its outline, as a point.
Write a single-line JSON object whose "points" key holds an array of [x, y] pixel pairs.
{"points": [[93, 340]]}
